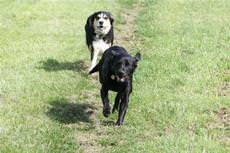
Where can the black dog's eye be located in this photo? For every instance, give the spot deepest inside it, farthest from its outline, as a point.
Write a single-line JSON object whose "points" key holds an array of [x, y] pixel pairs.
{"points": [[119, 64], [126, 63]]}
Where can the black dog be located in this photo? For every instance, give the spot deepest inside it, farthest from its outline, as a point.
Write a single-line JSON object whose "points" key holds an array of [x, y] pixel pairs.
{"points": [[116, 69], [99, 34]]}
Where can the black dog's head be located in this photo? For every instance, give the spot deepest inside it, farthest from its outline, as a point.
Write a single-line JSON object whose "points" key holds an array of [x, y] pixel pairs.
{"points": [[116, 64], [101, 22], [124, 67]]}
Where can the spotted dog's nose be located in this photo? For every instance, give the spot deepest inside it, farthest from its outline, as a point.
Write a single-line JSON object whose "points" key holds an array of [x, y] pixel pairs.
{"points": [[101, 22]]}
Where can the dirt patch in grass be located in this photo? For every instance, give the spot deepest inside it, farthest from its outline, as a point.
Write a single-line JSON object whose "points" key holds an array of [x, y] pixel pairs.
{"points": [[221, 125], [126, 29], [225, 89], [88, 142], [224, 116]]}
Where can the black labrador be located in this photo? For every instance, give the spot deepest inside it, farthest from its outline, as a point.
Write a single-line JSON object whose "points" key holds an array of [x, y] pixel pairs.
{"points": [[116, 69]]}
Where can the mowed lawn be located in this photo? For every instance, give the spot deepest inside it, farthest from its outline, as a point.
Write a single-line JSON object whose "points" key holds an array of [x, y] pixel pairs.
{"points": [[48, 103]]}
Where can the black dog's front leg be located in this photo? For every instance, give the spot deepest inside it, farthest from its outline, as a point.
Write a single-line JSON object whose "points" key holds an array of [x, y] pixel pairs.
{"points": [[105, 101], [117, 102], [123, 108]]}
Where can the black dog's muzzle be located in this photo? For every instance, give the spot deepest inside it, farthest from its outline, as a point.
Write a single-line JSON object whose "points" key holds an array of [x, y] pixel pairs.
{"points": [[119, 78]]}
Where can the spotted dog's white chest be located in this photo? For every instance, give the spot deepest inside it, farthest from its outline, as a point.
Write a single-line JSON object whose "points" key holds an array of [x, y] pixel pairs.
{"points": [[100, 46]]}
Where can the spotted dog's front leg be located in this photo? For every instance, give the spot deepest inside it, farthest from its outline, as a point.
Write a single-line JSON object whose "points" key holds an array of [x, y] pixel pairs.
{"points": [[94, 55]]}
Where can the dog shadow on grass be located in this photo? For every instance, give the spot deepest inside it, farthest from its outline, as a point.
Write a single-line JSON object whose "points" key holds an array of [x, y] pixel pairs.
{"points": [[54, 65], [67, 112]]}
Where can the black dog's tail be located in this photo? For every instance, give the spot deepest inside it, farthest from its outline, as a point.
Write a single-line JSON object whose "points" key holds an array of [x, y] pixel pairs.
{"points": [[95, 69]]}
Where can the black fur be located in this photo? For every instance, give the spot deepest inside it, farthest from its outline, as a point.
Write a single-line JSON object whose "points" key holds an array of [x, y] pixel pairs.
{"points": [[90, 31], [116, 69]]}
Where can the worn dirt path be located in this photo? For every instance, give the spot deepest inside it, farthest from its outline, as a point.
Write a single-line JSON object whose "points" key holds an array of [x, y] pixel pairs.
{"points": [[87, 135]]}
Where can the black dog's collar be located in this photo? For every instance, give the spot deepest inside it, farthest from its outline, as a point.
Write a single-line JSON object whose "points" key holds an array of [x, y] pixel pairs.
{"points": [[113, 77], [116, 78]]}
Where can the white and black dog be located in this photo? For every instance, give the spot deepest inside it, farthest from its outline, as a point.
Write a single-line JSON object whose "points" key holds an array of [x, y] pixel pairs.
{"points": [[99, 34]]}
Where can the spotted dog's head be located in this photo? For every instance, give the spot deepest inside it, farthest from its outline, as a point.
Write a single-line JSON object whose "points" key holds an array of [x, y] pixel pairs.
{"points": [[124, 67], [101, 22]]}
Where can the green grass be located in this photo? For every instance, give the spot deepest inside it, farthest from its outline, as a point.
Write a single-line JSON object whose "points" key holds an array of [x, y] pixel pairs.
{"points": [[49, 104]]}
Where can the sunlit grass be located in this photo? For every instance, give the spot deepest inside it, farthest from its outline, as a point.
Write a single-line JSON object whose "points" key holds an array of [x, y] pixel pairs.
{"points": [[49, 104]]}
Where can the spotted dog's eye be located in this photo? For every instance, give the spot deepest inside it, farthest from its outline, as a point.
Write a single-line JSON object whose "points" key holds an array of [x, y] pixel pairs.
{"points": [[106, 18], [97, 17]]}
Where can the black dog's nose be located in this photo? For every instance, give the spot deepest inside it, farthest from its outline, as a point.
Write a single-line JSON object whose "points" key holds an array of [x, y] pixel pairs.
{"points": [[121, 73], [100, 22]]}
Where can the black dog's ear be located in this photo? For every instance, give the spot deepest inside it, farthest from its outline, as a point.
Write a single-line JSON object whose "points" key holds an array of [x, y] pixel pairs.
{"points": [[137, 57]]}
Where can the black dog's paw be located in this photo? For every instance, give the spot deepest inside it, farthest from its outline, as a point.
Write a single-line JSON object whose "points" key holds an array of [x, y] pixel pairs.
{"points": [[106, 111], [118, 123]]}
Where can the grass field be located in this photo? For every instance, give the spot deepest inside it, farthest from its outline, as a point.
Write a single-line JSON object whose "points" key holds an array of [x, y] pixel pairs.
{"points": [[180, 102]]}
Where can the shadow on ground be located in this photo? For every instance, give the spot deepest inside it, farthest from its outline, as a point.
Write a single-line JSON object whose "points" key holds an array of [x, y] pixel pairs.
{"points": [[54, 65], [67, 112]]}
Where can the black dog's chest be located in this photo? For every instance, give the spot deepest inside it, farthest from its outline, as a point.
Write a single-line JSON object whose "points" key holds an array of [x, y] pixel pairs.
{"points": [[116, 86]]}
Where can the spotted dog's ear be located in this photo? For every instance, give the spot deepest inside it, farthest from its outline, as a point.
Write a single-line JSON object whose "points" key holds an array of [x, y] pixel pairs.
{"points": [[110, 17], [90, 20]]}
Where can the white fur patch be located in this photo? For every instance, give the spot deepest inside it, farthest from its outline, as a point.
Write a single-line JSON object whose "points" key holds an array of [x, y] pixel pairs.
{"points": [[99, 47], [112, 77]]}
